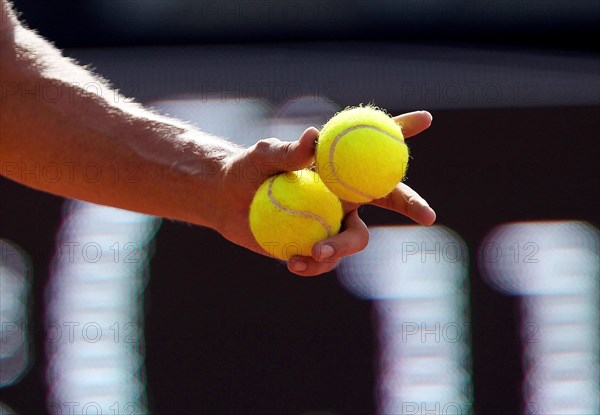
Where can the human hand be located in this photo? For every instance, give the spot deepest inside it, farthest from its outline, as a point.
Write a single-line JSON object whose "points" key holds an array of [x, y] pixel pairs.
{"points": [[245, 171]]}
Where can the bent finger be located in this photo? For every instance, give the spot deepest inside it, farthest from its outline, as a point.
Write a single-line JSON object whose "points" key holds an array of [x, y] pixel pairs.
{"points": [[406, 201], [413, 123], [275, 156], [354, 238], [308, 267]]}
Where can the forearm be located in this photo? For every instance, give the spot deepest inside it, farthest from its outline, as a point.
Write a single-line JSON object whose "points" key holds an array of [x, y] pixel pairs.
{"points": [[90, 144]]}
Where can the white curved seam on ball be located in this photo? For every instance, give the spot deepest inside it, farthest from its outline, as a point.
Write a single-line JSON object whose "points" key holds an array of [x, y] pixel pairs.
{"points": [[278, 205], [332, 150]]}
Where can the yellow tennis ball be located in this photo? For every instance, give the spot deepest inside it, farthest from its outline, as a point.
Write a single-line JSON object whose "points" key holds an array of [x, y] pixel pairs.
{"points": [[361, 154], [292, 211]]}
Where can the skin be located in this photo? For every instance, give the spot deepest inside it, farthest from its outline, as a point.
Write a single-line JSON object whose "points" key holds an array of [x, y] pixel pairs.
{"points": [[111, 151]]}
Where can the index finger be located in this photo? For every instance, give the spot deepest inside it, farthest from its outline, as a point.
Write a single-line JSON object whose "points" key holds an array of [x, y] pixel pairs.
{"points": [[406, 201], [413, 123]]}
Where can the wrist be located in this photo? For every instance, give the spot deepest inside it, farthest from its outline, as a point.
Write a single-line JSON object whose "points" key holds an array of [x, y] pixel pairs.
{"points": [[234, 194], [216, 191]]}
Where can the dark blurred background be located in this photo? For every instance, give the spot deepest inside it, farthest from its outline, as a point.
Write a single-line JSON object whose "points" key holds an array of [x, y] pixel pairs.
{"points": [[549, 24], [514, 88]]}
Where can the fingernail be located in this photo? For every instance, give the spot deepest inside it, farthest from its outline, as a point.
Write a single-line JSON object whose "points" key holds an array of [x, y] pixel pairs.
{"points": [[298, 265], [326, 251]]}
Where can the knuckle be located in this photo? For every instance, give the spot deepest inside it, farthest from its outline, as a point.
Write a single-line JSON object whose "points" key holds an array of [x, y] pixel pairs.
{"points": [[265, 146], [323, 267], [332, 265], [363, 240]]}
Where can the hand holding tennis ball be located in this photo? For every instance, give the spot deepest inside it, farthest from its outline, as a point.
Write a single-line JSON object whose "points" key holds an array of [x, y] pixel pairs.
{"points": [[292, 211], [361, 155], [245, 198]]}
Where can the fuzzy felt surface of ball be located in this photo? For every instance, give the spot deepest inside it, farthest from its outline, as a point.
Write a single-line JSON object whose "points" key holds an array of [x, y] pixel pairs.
{"points": [[361, 154], [292, 211]]}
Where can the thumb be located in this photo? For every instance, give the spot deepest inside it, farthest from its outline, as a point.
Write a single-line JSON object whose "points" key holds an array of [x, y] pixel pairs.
{"points": [[286, 156]]}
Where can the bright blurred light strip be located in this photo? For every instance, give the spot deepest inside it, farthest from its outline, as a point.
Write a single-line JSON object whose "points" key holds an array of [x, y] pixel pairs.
{"points": [[95, 343], [418, 277], [245, 120], [5, 410], [14, 295], [554, 266], [294, 116], [242, 120]]}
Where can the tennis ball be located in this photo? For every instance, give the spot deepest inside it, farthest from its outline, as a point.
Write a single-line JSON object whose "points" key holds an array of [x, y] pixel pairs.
{"points": [[361, 154], [292, 211]]}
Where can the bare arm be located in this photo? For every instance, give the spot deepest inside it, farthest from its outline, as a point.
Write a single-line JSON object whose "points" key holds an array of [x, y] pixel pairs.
{"points": [[92, 144], [65, 131]]}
